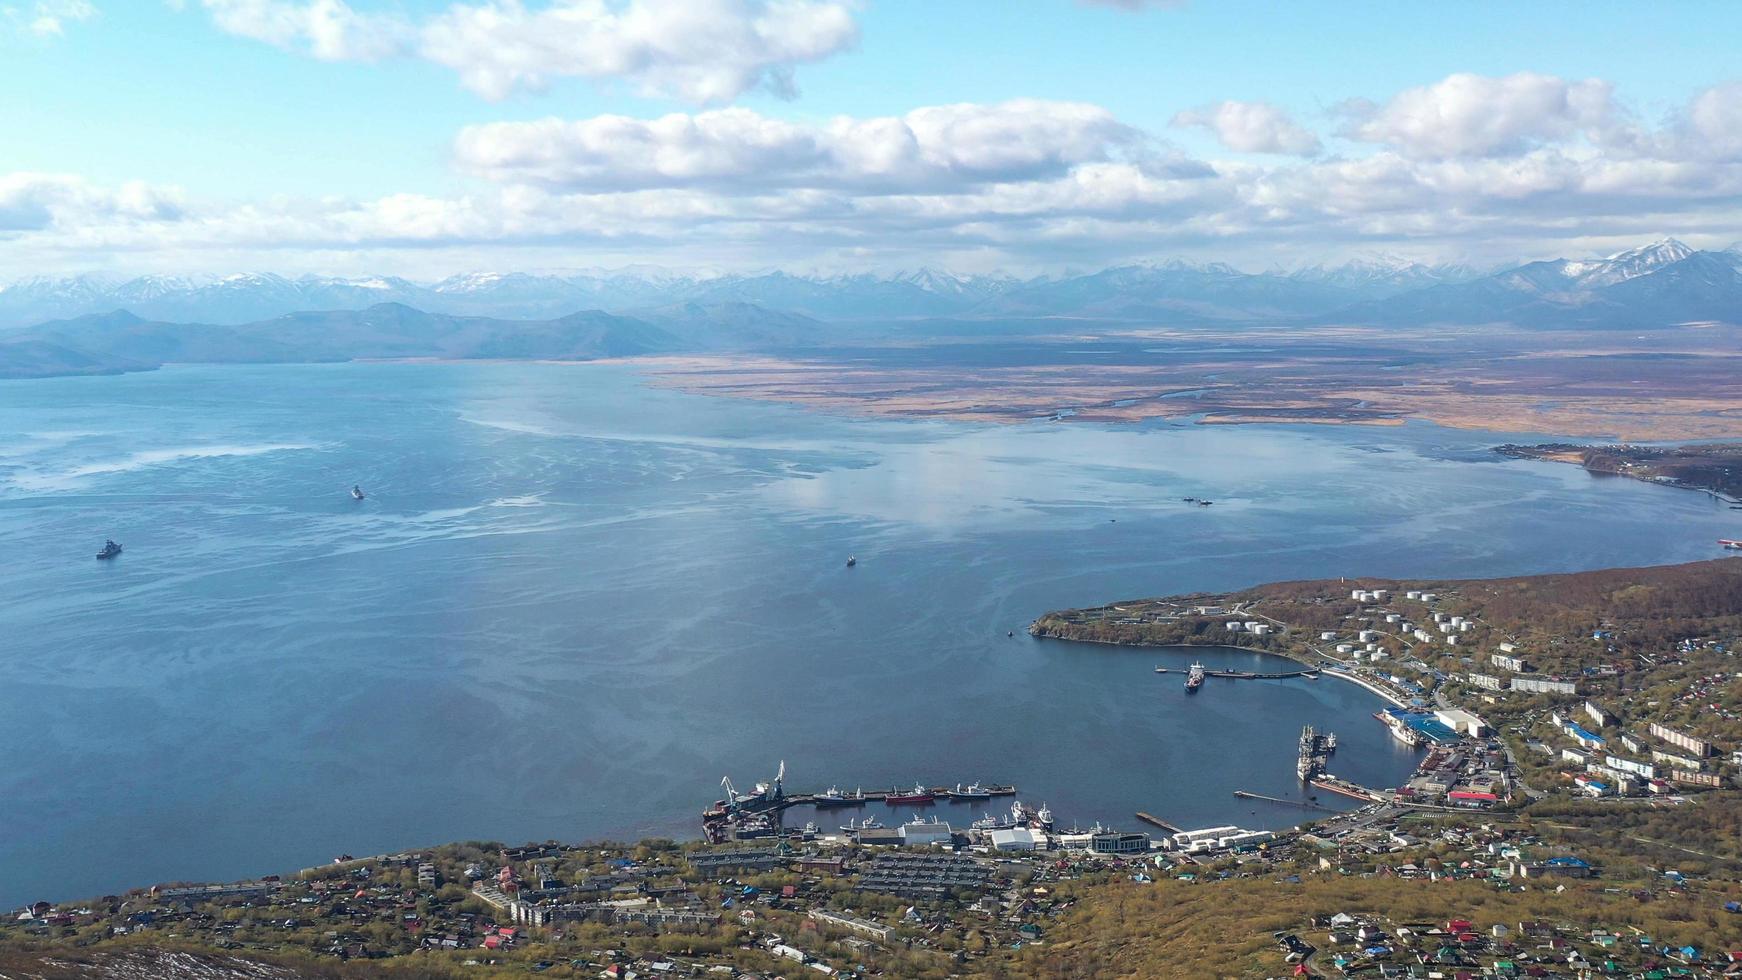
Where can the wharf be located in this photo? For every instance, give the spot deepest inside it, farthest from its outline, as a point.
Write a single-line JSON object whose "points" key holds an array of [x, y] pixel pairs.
{"points": [[1346, 788], [720, 821], [1303, 804], [1247, 675], [1150, 818]]}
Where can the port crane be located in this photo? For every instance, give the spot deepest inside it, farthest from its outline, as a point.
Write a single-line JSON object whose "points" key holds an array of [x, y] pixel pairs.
{"points": [[774, 790]]}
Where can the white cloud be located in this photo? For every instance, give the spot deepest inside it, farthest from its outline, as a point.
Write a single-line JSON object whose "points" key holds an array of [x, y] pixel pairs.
{"points": [[46, 18], [330, 30], [1252, 127], [740, 151], [39, 202], [1025, 183], [1711, 126], [1467, 115], [701, 51]]}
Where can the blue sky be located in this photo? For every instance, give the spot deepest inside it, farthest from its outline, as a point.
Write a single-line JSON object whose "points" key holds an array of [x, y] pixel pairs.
{"points": [[211, 135]]}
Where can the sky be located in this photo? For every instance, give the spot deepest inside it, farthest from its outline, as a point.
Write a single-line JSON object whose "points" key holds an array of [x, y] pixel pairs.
{"points": [[423, 138]]}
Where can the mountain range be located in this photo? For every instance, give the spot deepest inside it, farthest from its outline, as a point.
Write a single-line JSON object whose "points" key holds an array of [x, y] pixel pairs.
{"points": [[1213, 291], [87, 325]]}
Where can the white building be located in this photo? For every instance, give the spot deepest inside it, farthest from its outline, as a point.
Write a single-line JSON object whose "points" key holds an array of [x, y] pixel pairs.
{"points": [[1015, 839]]}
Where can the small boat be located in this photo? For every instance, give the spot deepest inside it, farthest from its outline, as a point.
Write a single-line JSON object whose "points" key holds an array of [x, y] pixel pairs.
{"points": [[919, 795], [1189, 500], [1205, 503], [110, 550], [1011, 633], [852, 560], [1195, 679], [357, 492]]}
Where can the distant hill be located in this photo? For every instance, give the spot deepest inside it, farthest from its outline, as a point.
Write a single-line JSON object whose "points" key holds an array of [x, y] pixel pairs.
{"points": [[120, 341]]}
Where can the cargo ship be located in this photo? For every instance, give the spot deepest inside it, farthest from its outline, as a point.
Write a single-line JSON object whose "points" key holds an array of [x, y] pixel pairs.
{"points": [[1195, 679], [919, 794]]}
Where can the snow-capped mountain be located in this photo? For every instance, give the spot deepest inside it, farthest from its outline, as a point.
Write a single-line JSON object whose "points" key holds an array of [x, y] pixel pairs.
{"points": [[1384, 275], [1380, 289], [1662, 283]]}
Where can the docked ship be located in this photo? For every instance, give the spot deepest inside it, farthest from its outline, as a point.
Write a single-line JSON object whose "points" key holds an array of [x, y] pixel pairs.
{"points": [[1307, 764], [869, 823], [1330, 742], [973, 791], [1400, 729], [834, 797], [919, 794], [110, 550], [989, 822], [1195, 679], [357, 492]]}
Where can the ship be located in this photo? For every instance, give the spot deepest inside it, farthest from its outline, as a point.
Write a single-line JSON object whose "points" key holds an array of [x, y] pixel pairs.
{"points": [[854, 826], [974, 791], [1195, 679], [919, 794], [989, 822], [834, 797], [1730, 544], [852, 560], [1330, 742], [357, 492], [110, 550], [1307, 763]]}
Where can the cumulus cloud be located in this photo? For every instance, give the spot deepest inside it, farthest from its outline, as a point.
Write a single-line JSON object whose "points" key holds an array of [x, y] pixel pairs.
{"points": [[702, 51], [739, 151], [1029, 182], [1468, 115], [1252, 127], [46, 18], [38, 201]]}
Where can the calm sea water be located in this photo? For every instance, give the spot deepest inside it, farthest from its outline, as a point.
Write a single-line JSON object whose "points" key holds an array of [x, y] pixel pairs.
{"points": [[571, 603]]}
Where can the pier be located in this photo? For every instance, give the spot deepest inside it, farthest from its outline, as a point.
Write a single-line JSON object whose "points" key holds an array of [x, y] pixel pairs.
{"points": [[1346, 788], [1247, 675], [1154, 820], [1303, 804], [748, 815]]}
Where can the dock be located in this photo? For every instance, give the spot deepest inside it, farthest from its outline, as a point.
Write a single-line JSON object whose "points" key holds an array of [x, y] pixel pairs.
{"points": [[1247, 675], [1346, 788], [756, 813], [1303, 804], [1154, 820]]}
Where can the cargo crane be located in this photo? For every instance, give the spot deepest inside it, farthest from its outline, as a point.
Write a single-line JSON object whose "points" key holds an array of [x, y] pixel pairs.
{"points": [[774, 790]]}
